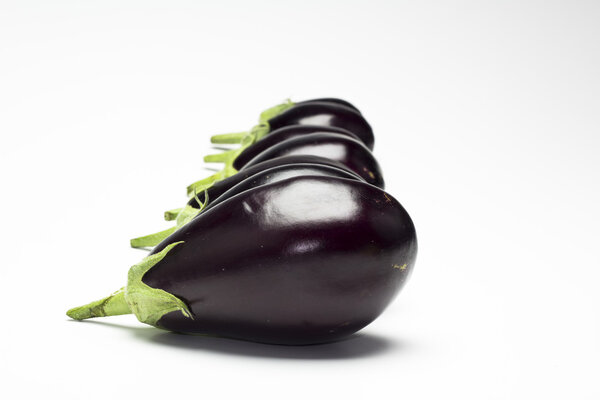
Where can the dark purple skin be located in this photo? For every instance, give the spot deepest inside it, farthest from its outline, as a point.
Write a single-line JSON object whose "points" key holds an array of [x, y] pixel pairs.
{"points": [[331, 100], [220, 187], [352, 153], [302, 261], [325, 114], [280, 173], [281, 134]]}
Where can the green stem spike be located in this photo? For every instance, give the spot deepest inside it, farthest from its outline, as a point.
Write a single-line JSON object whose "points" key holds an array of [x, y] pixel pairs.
{"points": [[114, 304], [228, 138], [224, 157], [255, 134], [147, 303], [152, 239], [265, 116], [171, 215], [184, 215]]}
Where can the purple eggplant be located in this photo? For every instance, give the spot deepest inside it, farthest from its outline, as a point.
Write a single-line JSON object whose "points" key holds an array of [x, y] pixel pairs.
{"points": [[301, 261], [352, 153], [220, 187], [266, 176], [325, 114], [229, 173], [262, 173], [307, 113], [282, 134], [333, 100], [277, 174], [280, 108], [328, 113]]}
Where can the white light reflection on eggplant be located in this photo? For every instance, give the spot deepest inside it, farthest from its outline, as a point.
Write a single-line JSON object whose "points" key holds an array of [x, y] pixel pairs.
{"points": [[333, 151], [319, 119], [309, 202]]}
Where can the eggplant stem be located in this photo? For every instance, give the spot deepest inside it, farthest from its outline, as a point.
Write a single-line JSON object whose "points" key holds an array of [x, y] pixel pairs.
{"points": [[183, 216], [114, 304], [147, 303], [224, 157], [228, 138], [171, 215], [152, 239], [255, 134]]}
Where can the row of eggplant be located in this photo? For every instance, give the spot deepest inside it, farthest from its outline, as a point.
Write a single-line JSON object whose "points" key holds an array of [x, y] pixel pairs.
{"points": [[294, 241], [330, 128]]}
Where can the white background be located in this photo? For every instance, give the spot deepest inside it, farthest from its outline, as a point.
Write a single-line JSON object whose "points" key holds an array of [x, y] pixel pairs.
{"points": [[486, 116]]}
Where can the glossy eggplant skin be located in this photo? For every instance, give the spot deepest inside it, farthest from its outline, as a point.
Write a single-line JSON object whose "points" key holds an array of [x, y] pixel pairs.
{"points": [[220, 187], [281, 134], [281, 173], [301, 261], [352, 153], [325, 114], [333, 100]]}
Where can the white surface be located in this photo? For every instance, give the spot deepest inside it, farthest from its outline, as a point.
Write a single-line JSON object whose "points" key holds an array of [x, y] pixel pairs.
{"points": [[486, 117]]}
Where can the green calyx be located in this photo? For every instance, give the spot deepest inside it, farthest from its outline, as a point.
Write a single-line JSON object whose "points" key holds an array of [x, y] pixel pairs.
{"points": [[251, 137], [152, 239], [181, 216], [257, 133], [205, 183], [275, 110], [227, 158], [147, 303], [245, 139], [265, 116], [150, 304]]}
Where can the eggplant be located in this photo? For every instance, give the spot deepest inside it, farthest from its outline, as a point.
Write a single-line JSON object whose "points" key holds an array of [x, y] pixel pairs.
{"points": [[310, 113], [329, 112], [238, 157], [279, 136], [325, 114], [302, 261], [279, 108], [352, 153], [258, 175], [232, 176], [276, 174], [333, 100], [220, 187]]}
